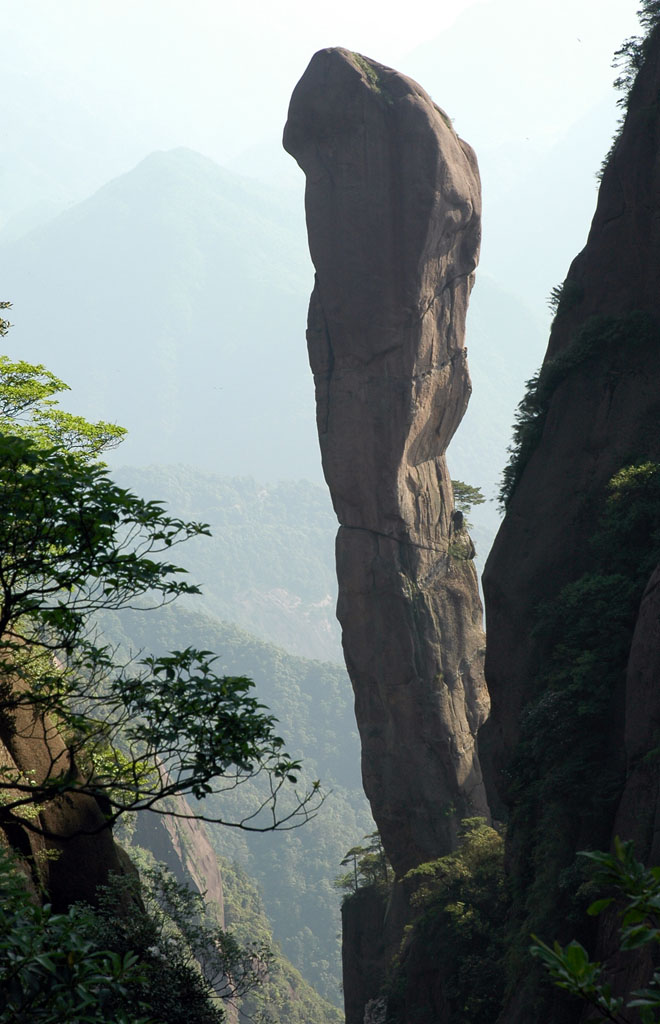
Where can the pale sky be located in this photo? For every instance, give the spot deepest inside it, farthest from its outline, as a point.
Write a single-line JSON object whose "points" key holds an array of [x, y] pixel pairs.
{"points": [[88, 88], [217, 76]]}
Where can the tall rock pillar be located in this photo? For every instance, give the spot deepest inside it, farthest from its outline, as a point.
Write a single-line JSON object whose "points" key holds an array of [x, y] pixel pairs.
{"points": [[393, 218]]}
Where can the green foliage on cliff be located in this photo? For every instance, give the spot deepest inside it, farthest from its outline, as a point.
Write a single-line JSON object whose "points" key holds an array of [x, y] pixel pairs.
{"points": [[461, 904], [629, 60], [632, 53], [373, 76], [466, 496], [190, 967], [597, 336], [368, 866], [565, 297], [567, 770], [51, 972], [635, 893], [149, 954]]}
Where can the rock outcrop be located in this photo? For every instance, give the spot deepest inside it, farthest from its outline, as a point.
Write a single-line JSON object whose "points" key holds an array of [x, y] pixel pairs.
{"points": [[364, 951], [565, 747], [393, 218], [638, 812], [64, 845], [182, 843]]}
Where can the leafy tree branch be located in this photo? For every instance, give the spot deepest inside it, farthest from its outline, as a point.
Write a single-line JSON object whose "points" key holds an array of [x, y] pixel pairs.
{"points": [[129, 731]]}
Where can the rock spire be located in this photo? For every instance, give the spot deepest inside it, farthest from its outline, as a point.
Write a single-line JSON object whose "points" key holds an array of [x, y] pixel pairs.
{"points": [[393, 217]]}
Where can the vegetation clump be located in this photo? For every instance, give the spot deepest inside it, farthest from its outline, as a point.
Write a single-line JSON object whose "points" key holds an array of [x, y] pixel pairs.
{"points": [[466, 496], [461, 904], [629, 59], [369, 868], [635, 893], [51, 971], [124, 960], [567, 772], [373, 76], [129, 732], [565, 297], [599, 335]]}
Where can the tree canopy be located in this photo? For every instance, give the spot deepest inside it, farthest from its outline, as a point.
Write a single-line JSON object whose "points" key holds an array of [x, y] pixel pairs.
{"points": [[129, 731]]}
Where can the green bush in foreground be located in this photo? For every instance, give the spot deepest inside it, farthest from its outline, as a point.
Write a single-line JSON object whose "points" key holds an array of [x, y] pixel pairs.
{"points": [[51, 972], [162, 962], [637, 890]]}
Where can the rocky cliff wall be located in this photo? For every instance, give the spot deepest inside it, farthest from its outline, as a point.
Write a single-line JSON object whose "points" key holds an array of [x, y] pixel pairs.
{"points": [[64, 845], [574, 702], [182, 843], [393, 216]]}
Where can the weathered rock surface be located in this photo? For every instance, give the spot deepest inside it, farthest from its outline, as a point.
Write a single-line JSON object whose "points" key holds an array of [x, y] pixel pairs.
{"points": [[638, 813], [602, 413], [182, 843], [364, 950], [76, 852], [393, 217]]}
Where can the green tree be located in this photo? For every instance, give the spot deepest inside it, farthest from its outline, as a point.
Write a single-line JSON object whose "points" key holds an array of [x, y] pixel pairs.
{"points": [[148, 953], [129, 732], [465, 496], [369, 866], [634, 891], [28, 409], [51, 971], [189, 965], [460, 903]]}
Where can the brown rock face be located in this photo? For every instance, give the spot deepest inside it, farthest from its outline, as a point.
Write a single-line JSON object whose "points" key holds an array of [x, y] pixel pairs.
{"points": [[575, 750], [638, 813], [183, 845], [393, 218], [604, 413], [65, 863], [364, 951]]}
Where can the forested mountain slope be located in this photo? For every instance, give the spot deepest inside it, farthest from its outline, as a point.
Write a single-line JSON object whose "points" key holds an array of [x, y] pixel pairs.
{"points": [[180, 290], [313, 704], [269, 565]]}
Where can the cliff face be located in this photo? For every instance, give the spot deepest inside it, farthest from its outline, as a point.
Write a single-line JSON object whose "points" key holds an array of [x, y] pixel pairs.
{"points": [[182, 843], [64, 863], [393, 217], [574, 703], [364, 951]]}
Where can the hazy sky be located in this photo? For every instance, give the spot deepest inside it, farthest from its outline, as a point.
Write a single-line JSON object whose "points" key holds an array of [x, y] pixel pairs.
{"points": [[206, 72], [217, 76], [89, 88]]}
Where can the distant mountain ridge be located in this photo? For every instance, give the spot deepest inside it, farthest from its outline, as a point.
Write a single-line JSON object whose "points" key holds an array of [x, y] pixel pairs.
{"points": [[313, 704], [173, 301], [269, 565], [166, 300]]}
